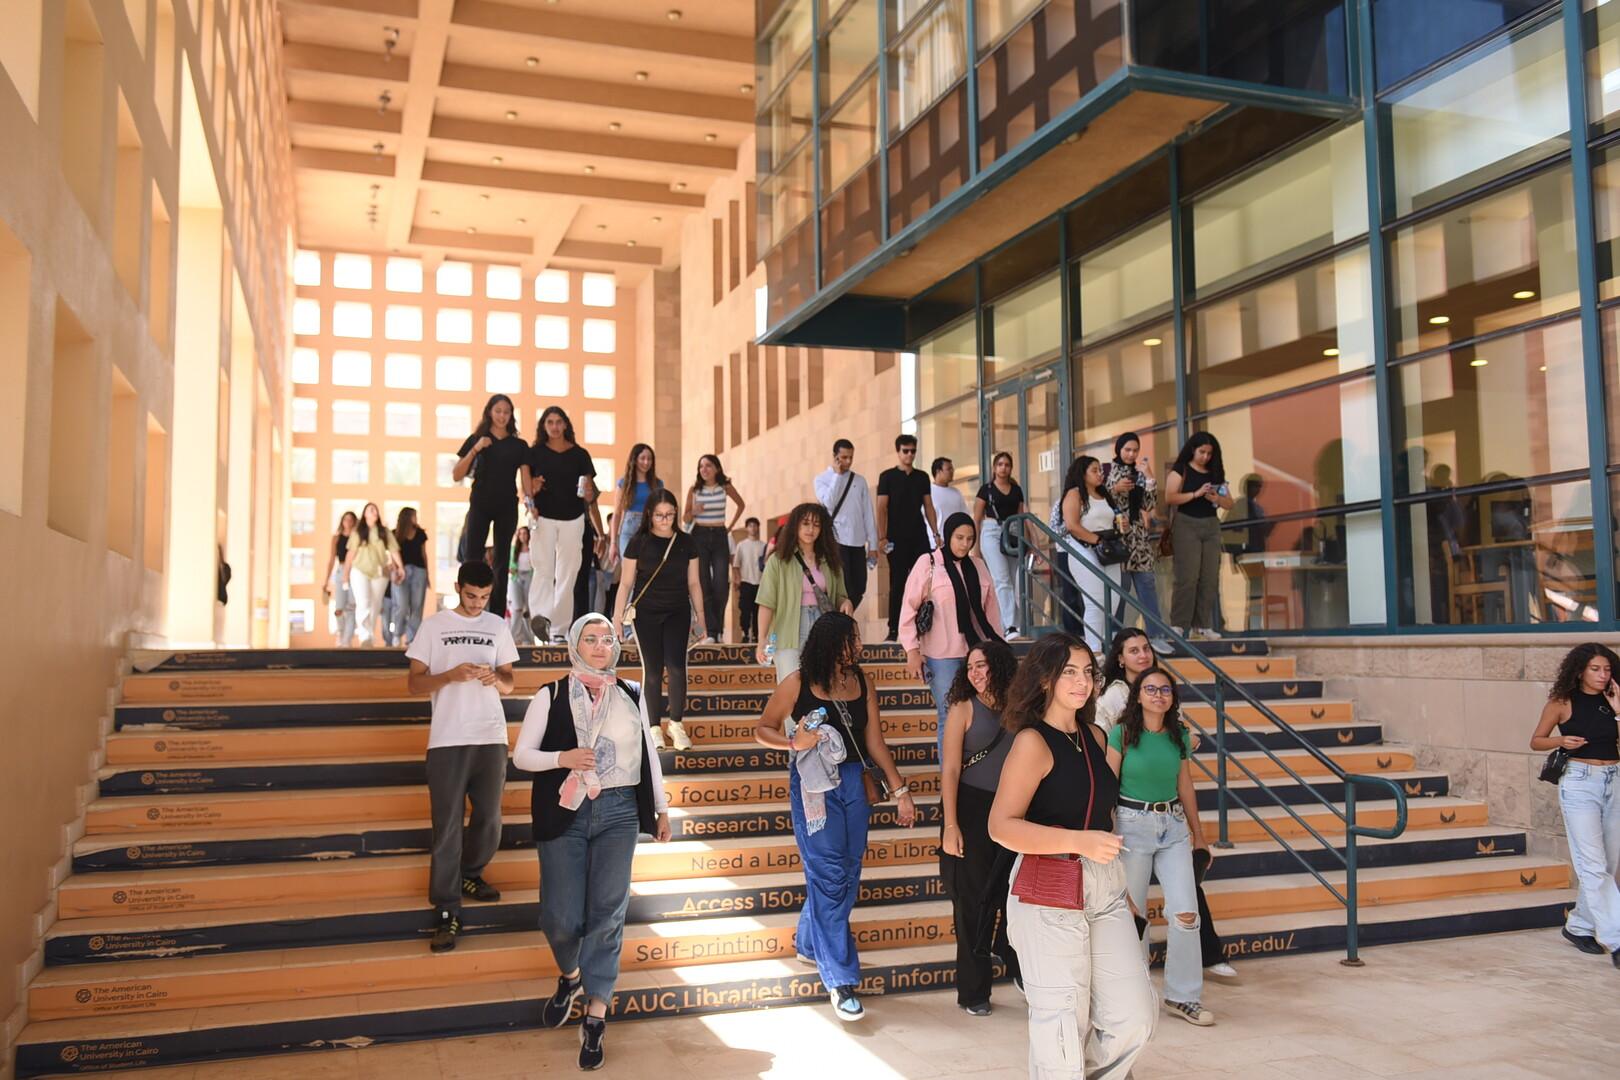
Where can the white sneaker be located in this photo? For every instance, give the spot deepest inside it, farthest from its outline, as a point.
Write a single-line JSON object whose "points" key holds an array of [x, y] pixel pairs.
{"points": [[1014, 635], [705, 640], [1222, 970], [1162, 646], [1202, 634], [658, 738], [678, 736]]}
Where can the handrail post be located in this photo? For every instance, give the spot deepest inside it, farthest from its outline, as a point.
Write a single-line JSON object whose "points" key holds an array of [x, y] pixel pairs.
{"points": [[1352, 944], [1222, 839]]}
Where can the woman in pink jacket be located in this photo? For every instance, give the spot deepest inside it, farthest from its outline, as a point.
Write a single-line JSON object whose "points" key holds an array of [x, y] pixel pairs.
{"points": [[964, 611]]}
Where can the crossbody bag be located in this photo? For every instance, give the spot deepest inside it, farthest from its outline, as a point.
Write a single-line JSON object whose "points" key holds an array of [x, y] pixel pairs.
{"points": [[824, 602], [1058, 881], [872, 778], [630, 609]]}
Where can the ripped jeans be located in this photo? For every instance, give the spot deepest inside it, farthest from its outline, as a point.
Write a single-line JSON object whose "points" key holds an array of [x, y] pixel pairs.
{"points": [[1160, 844]]}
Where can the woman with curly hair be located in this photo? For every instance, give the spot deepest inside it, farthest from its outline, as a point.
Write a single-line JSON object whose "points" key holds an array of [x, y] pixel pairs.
{"points": [[825, 714], [1582, 705], [973, 867], [803, 579], [1150, 750]]}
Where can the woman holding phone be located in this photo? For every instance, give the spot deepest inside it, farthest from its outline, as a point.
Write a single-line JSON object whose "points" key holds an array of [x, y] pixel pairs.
{"points": [[1195, 489]]}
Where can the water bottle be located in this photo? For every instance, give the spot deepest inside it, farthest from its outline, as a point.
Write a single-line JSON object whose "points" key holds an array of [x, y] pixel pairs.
{"points": [[770, 649], [871, 561]]}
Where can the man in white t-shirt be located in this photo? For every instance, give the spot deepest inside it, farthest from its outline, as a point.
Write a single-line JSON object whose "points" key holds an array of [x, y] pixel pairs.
{"points": [[463, 658], [947, 500], [748, 556]]}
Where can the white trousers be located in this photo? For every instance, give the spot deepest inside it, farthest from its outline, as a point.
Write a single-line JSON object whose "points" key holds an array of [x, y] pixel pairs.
{"points": [[1089, 576], [368, 598], [1091, 1006], [556, 549]]}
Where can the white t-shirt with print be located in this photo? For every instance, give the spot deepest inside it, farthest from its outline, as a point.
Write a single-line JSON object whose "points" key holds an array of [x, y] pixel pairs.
{"points": [[465, 713]]}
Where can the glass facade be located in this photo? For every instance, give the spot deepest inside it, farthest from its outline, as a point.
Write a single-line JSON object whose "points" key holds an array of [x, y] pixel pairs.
{"points": [[1411, 357]]}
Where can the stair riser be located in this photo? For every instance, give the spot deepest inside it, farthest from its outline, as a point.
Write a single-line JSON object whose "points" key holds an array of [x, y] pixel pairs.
{"points": [[509, 915]]}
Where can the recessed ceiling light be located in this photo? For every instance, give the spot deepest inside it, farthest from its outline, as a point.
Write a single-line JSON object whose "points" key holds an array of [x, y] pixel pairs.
{"points": [[710, 137], [1543, 367], [484, 197], [511, 114], [600, 228], [1478, 361], [1330, 352], [435, 213], [1525, 294], [496, 160], [523, 221], [680, 185], [1439, 320], [658, 221], [673, 15], [471, 229], [590, 168], [532, 61], [746, 88], [629, 243], [641, 76], [614, 125], [1153, 342]]}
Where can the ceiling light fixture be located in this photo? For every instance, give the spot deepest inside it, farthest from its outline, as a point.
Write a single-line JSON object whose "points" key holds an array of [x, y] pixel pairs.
{"points": [[710, 137], [1478, 361], [377, 150], [614, 125], [673, 15], [383, 100], [680, 185], [1330, 352], [601, 228], [496, 159], [435, 213], [532, 61], [658, 221], [629, 243], [1153, 342], [511, 114], [1543, 367], [471, 229], [1525, 294], [590, 169], [484, 196], [641, 76], [523, 221], [390, 41], [1439, 320], [746, 88]]}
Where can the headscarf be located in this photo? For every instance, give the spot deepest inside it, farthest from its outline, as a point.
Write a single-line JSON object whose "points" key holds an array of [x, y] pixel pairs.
{"points": [[590, 698], [1134, 500], [965, 584]]}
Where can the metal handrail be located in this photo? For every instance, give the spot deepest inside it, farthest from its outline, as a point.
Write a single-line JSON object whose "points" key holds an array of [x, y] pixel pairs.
{"points": [[1015, 542]]}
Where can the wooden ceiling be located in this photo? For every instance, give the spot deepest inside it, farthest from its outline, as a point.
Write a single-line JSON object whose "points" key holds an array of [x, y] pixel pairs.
{"points": [[542, 132]]}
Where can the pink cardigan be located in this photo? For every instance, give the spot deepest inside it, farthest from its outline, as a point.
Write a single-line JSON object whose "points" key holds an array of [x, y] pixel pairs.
{"points": [[944, 639]]}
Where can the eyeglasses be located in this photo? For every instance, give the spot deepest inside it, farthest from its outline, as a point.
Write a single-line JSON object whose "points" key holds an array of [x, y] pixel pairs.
{"points": [[594, 640], [1158, 691], [911, 450], [667, 516]]}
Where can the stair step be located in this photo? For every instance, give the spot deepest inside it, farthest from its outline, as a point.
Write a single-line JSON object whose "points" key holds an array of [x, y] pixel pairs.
{"points": [[125, 937]]}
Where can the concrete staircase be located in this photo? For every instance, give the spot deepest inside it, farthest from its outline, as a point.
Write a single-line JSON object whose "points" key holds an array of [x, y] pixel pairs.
{"points": [[252, 880]]}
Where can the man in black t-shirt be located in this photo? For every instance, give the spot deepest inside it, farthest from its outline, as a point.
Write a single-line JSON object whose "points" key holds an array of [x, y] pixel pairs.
{"points": [[903, 502]]}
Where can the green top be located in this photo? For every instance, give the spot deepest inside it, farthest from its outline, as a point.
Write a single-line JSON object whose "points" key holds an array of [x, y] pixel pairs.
{"points": [[1150, 768], [781, 588]]}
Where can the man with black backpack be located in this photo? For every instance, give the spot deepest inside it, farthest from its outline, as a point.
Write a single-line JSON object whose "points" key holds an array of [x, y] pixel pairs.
{"points": [[848, 500]]}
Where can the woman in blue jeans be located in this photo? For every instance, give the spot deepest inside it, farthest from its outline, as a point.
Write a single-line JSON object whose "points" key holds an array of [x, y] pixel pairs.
{"points": [[410, 592], [1150, 751], [826, 715], [597, 787], [1582, 705]]}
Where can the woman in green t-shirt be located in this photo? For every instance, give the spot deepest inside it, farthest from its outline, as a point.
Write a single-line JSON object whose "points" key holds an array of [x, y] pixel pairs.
{"points": [[1150, 750]]}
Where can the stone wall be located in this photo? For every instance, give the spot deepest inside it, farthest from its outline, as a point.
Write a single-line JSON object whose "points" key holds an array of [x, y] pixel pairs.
{"points": [[1467, 704]]}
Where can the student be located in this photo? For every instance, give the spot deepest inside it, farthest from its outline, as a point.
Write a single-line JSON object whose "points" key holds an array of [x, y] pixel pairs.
{"points": [[749, 560], [492, 455], [1582, 705], [972, 867], [827, 793], [597, 787], [706, 514], [1150, 750], [957, 583], [801, 582], [1091, 1007], [336, 588], [945, 498], [1087, 514], [997, 501], [1129, 482], [640, 480], [463, 658], [1194, 490], [848, 500], [519, 572], [560, 479], [906, 519], [412, 589], [372, 556], [659, 594]]}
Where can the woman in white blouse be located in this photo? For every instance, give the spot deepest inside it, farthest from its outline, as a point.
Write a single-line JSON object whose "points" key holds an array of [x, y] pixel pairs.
{"points": [[597, 787]]}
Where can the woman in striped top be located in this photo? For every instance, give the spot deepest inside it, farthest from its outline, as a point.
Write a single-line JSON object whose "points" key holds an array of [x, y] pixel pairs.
{"points": [[706, 514]]}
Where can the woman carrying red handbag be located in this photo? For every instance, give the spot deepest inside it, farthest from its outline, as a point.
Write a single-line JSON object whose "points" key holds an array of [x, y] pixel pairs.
{"points": [[1091, 1006]]}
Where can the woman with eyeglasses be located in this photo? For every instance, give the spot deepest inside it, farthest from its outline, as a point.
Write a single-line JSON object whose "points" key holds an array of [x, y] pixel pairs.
{"points": [[1150, 750], [655, 604]]}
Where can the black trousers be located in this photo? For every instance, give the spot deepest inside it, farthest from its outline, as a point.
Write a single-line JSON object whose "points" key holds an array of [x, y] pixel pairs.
{"points": [[854, 560], [587, 573], [504, 517], [748, 617], [977, 885], [714, 575], [661, 637], [901, 560], [1071, 616]]}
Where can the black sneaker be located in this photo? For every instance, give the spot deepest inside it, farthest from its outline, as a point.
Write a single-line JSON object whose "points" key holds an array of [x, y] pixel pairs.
{"points": [[978, 1008], [1584, 942], [591, 1032], [540, 626], [446, 925], [479, 889], [554, 1013]]}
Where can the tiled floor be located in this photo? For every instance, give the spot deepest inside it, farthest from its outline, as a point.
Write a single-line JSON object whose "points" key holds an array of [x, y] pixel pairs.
{"points": [[1507, 1007]]}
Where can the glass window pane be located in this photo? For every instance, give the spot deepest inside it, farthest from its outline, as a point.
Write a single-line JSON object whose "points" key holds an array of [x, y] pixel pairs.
{"points": [[300, 566], [403, 419], [1023, 327], [454, 279], [851, 45], [449, 519], [402, 467], [452, 373], [995, 17], [1307, 326], [1506, 259], [452, 421], [953, 432], [303, 465], [1306, 201], [551, 287], [1611, 378], [849, 136], [599, 428], [503, 283], [551, 331], [599, 335], [598, 290], [503, 328], [788, 40], [1480, 117], [1606, 196], [927, 62], [351, 319], [1409, 36], [351, 467], [403, 275], [306, 316], [785, 199], [306, 367], [351, 368], [1506, 556], [306, 268], [301, 516], [351, 418], [1126, 281], [600, 381], [503, 377], [305, 412], [787, 118], [1304, 573], [551, 378], [402, 371], [402, 323], [1127, 385], [444, 473], [947, 364], [1507, 408], [454, 326], [351, 271]]}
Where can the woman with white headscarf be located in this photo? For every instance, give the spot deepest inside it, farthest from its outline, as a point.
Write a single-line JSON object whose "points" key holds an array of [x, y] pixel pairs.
{"points": [[597, 787]]}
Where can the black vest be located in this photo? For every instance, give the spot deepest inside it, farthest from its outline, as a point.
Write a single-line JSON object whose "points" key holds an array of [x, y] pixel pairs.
{"points": [[551, 818]]}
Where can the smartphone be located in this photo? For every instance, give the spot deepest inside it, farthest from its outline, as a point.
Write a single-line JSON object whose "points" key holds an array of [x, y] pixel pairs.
{"points": [[1224, 490]]}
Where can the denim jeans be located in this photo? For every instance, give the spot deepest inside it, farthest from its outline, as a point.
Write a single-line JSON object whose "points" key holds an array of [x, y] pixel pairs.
{"points": [[940, 674], [412, 596], [628, 528], [1003, 571], [1589, 796], [787, 660], [832, 858], [343, 623], [1161, 845], [517, 607], [1144, 584], [585, 888]]}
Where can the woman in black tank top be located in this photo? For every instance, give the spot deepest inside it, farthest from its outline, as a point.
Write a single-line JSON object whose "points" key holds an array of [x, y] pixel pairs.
{"points": [[1582, 705], [1091, 1007], [827, 797]]}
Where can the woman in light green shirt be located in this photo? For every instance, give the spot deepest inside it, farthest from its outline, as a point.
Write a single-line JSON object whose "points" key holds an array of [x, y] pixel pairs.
{"points": [[372, 558], [802, 578]]}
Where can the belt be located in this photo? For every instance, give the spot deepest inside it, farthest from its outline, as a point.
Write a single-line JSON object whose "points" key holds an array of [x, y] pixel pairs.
{"points": [[1173, 806]]}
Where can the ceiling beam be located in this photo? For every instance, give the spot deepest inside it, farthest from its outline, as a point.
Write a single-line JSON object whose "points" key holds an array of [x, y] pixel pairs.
{"points": [[592, 252], [416, 117], [404, 10], [326, 114], [343, 161], [450, 238], [354, 63], [563, 27]]}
